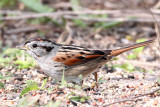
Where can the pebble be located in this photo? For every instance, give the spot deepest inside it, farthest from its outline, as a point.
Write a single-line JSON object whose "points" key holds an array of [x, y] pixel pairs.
{"points": [[1, 90], [74, 102], [4, 98], [10, 87], [131, 77], [100, 100], [94, 104], [87, 89], [67, 101], [141, 83], [155, 102], [11, 102]]}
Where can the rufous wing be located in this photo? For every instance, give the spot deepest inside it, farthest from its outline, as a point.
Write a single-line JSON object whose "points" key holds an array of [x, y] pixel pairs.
{"points": [[74, 58]]}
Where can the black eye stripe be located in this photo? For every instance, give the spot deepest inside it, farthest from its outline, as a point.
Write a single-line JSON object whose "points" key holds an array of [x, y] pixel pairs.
{"points": [[47, 48]]}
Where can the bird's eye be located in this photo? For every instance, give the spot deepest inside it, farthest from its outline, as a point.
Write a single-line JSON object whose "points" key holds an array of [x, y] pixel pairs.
{"points": [[34, 45]]}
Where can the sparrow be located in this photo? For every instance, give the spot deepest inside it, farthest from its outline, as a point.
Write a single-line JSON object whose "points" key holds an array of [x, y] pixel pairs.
{"points": [[58, 59]]}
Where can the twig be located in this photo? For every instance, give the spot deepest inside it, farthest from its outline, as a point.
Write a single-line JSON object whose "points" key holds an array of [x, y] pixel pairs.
{"points": [[133, 98], [141, 16], [23, 29], [149, 93], [158, 35], [111, 19], [81, 18], [11, 12], [156, 23], [155, 11], [120, 101]]}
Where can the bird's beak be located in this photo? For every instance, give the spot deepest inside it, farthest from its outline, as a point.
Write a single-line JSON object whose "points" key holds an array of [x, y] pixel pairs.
{"points": [[22, 47]]}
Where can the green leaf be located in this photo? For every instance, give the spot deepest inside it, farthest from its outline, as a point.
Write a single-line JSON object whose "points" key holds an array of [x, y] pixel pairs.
{"points": [[126, 66], [24, 64], [80, 77], [27, 101], [115, 59], [80, 23], [97, 16], [1, 85], [52, 104], [31, 85], [16, 57], [81, 99], [12, 52], [106, 25], [140, 40], [130, 67], [136, 51], [140, 49], [132, 56], [63, 82], [8, 3], [1, 76], [101, 80], [43, 84], [41, 20], [75, 5], [75, 98], [36, 6], [129, 37]]}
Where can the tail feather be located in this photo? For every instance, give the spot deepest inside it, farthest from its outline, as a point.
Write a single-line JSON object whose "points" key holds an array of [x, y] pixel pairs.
{"points": [[124, 49]]}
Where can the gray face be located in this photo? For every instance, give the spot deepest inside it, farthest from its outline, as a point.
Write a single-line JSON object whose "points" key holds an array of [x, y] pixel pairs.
{"points": [[38, 49]]}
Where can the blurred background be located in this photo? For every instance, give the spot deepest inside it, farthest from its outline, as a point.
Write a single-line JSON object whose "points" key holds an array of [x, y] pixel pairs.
{"points": [[76, 21], [96, 24]]}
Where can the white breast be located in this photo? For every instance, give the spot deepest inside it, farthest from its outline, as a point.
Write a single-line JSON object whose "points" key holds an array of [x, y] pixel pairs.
{"points": [[51, 68]]}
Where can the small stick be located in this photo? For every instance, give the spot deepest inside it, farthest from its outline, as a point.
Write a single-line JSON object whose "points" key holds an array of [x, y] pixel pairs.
{"points": [[23, 29], [156, 24], [133, 98]]}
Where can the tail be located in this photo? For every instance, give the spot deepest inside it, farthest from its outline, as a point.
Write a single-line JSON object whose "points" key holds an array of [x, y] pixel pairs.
{"points": [[127, 48]]}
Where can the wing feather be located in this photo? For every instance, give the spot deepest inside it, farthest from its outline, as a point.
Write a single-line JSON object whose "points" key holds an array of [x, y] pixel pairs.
{"points": [[71, 57]]}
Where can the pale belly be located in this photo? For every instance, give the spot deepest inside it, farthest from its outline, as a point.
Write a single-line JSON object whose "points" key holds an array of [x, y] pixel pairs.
{"points": [[55, 70]]}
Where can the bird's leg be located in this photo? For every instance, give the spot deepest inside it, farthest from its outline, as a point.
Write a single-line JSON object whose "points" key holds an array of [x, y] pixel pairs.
{"points": [[96, 78], [93, 84]]}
